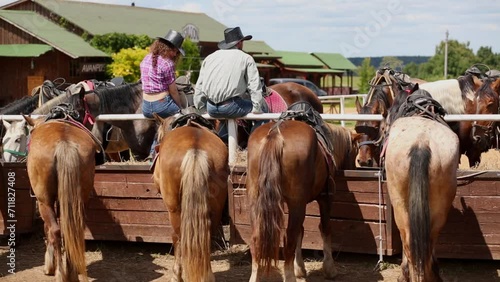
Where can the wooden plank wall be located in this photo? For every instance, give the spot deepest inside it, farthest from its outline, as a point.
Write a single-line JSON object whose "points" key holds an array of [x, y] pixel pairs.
{"points": [[354, 216], [24, 203], [124, 206]]}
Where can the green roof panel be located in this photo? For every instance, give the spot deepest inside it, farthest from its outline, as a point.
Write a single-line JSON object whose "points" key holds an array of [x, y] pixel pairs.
{"points": [[98, 19], [23, 50], [335, 61], [50, 33], [257, 47], [299, 59], [314, 70]]}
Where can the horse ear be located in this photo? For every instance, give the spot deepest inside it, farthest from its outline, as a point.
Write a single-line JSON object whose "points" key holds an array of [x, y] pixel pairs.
{"points": [[6, 124], [29, 120], [358, 105], [355, 137], [415, 87]]}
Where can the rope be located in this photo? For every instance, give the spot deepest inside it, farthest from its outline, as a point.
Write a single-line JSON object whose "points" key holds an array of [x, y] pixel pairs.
{"points": [[380, 236]]}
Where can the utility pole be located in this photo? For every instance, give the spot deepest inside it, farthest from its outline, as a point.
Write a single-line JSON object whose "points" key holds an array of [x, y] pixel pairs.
{"points": [[446, 56]]}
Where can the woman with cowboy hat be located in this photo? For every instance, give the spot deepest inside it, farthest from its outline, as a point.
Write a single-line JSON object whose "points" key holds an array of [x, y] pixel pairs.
{"points": [[160, 93], [229, 83]]}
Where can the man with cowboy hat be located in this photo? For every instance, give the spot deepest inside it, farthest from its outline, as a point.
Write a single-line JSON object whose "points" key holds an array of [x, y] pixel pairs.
{"points": [[160, 93], [229, 83]]}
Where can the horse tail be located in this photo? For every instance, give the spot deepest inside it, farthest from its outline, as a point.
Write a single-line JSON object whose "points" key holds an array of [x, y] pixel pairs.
{"points": [[268, 211], [195, 216], [71, 205], [419, 215]]}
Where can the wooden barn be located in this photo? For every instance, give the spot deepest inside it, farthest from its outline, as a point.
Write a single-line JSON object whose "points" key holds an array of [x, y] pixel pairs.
{"points": [[34, 49]]}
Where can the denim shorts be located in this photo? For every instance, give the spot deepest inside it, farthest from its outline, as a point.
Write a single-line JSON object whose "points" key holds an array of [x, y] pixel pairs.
{"points": [[164, 107]]}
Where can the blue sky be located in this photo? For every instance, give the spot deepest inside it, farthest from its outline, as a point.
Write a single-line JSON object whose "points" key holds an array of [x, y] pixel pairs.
{"points": [[353, 28]]}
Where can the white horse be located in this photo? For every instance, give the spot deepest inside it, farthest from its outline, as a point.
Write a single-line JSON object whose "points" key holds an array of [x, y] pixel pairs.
{"points": [[15, 141]]}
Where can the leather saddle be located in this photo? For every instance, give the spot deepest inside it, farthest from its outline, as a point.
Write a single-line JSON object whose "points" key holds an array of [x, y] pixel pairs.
{"points": [[189, 116]]}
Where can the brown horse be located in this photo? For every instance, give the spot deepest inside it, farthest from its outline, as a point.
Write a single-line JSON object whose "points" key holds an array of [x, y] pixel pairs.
{"points": [[60, 167], [296, 170], [421, 162], [484, 133], [293, 92], [385, 86], [191, 172]]}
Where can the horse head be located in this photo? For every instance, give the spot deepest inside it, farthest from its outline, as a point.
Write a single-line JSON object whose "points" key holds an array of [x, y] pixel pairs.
{"points": [[15, 140], [487, 102]]}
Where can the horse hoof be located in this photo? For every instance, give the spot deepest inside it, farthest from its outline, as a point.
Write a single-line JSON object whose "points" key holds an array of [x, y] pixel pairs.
{"points": [[330, 273]]}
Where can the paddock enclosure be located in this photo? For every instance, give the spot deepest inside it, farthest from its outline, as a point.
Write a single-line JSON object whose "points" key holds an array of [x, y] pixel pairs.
{"points": [[124, 206]]}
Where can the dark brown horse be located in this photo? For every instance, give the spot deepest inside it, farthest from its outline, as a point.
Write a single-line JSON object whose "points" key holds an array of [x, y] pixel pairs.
{"points": [[191, 172], [60, 167], [384, 87], [296, 170], [421, 162]]}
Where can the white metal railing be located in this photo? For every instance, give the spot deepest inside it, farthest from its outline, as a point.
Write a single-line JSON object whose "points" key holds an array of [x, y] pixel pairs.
{"points": [[328, 100], [232, 132]]}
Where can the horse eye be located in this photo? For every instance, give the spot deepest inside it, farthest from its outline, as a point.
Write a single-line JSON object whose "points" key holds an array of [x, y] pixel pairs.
{"points": [[18, 140]]}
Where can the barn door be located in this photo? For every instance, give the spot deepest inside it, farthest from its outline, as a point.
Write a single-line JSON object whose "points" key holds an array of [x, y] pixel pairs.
{"points": [[34, 81]]}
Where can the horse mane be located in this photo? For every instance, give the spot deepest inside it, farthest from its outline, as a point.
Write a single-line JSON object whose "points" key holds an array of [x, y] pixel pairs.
{"points": [[486, 90], [342, 145], [25, 105], [45, 108], [123, 96], [451, 93], [379, 94]]}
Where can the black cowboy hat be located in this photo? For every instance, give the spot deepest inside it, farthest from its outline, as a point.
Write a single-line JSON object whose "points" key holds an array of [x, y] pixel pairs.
{"points": [[174, 39], [231, 37]]}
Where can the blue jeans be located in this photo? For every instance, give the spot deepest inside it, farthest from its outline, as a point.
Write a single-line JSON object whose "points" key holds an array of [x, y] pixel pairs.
{"points": [[164, 108], [233, 108]]}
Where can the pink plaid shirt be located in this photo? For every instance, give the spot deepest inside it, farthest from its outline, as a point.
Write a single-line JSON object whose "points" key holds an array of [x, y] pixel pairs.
{"points": [[157, 80]]}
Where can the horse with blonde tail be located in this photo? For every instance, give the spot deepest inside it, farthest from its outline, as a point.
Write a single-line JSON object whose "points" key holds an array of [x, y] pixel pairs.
{"points": [[60, 167], [191, 172]]}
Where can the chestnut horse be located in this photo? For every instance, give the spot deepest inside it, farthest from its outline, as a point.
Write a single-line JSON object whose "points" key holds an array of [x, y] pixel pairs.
{"points": [[191, 172], [60, 167], [293, 92], [297, 170], [421, 162]]}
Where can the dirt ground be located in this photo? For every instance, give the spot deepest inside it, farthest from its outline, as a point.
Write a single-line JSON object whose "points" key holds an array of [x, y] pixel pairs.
{"points": [[141, 262]]}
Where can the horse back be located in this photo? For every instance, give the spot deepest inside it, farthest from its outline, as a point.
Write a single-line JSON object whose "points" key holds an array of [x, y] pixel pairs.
{"points": [[302, 162], [293, 92]]}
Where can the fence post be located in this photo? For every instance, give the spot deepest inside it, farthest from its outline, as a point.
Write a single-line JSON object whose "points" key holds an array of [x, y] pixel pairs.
{"points": [[232, 140]]}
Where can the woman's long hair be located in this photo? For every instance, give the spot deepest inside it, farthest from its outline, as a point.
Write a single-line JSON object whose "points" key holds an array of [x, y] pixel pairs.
{"points": [[161, 48]]}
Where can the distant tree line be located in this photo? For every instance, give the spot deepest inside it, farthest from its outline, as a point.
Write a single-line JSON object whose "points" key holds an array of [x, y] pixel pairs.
{"points": [[460, 58]]}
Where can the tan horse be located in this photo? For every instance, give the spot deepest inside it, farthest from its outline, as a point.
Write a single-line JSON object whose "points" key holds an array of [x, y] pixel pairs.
{"points": [[191, 172], [421, 164], [60, 167], [295, 171]]}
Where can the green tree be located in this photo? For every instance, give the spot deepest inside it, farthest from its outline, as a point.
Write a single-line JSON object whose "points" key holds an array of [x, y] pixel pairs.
{"points": [[392, 62], [191, 61], [411, 69], [460, 58], [366, 72], [114, 42], [126, 63], [486, 56]]}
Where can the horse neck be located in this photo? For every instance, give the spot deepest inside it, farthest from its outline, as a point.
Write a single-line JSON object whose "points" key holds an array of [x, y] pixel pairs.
{"points": [[123, 99], [342, 147]]}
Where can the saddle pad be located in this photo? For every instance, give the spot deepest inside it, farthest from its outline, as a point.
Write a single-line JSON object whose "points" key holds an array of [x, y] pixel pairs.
{"points": [[275, 102]]}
